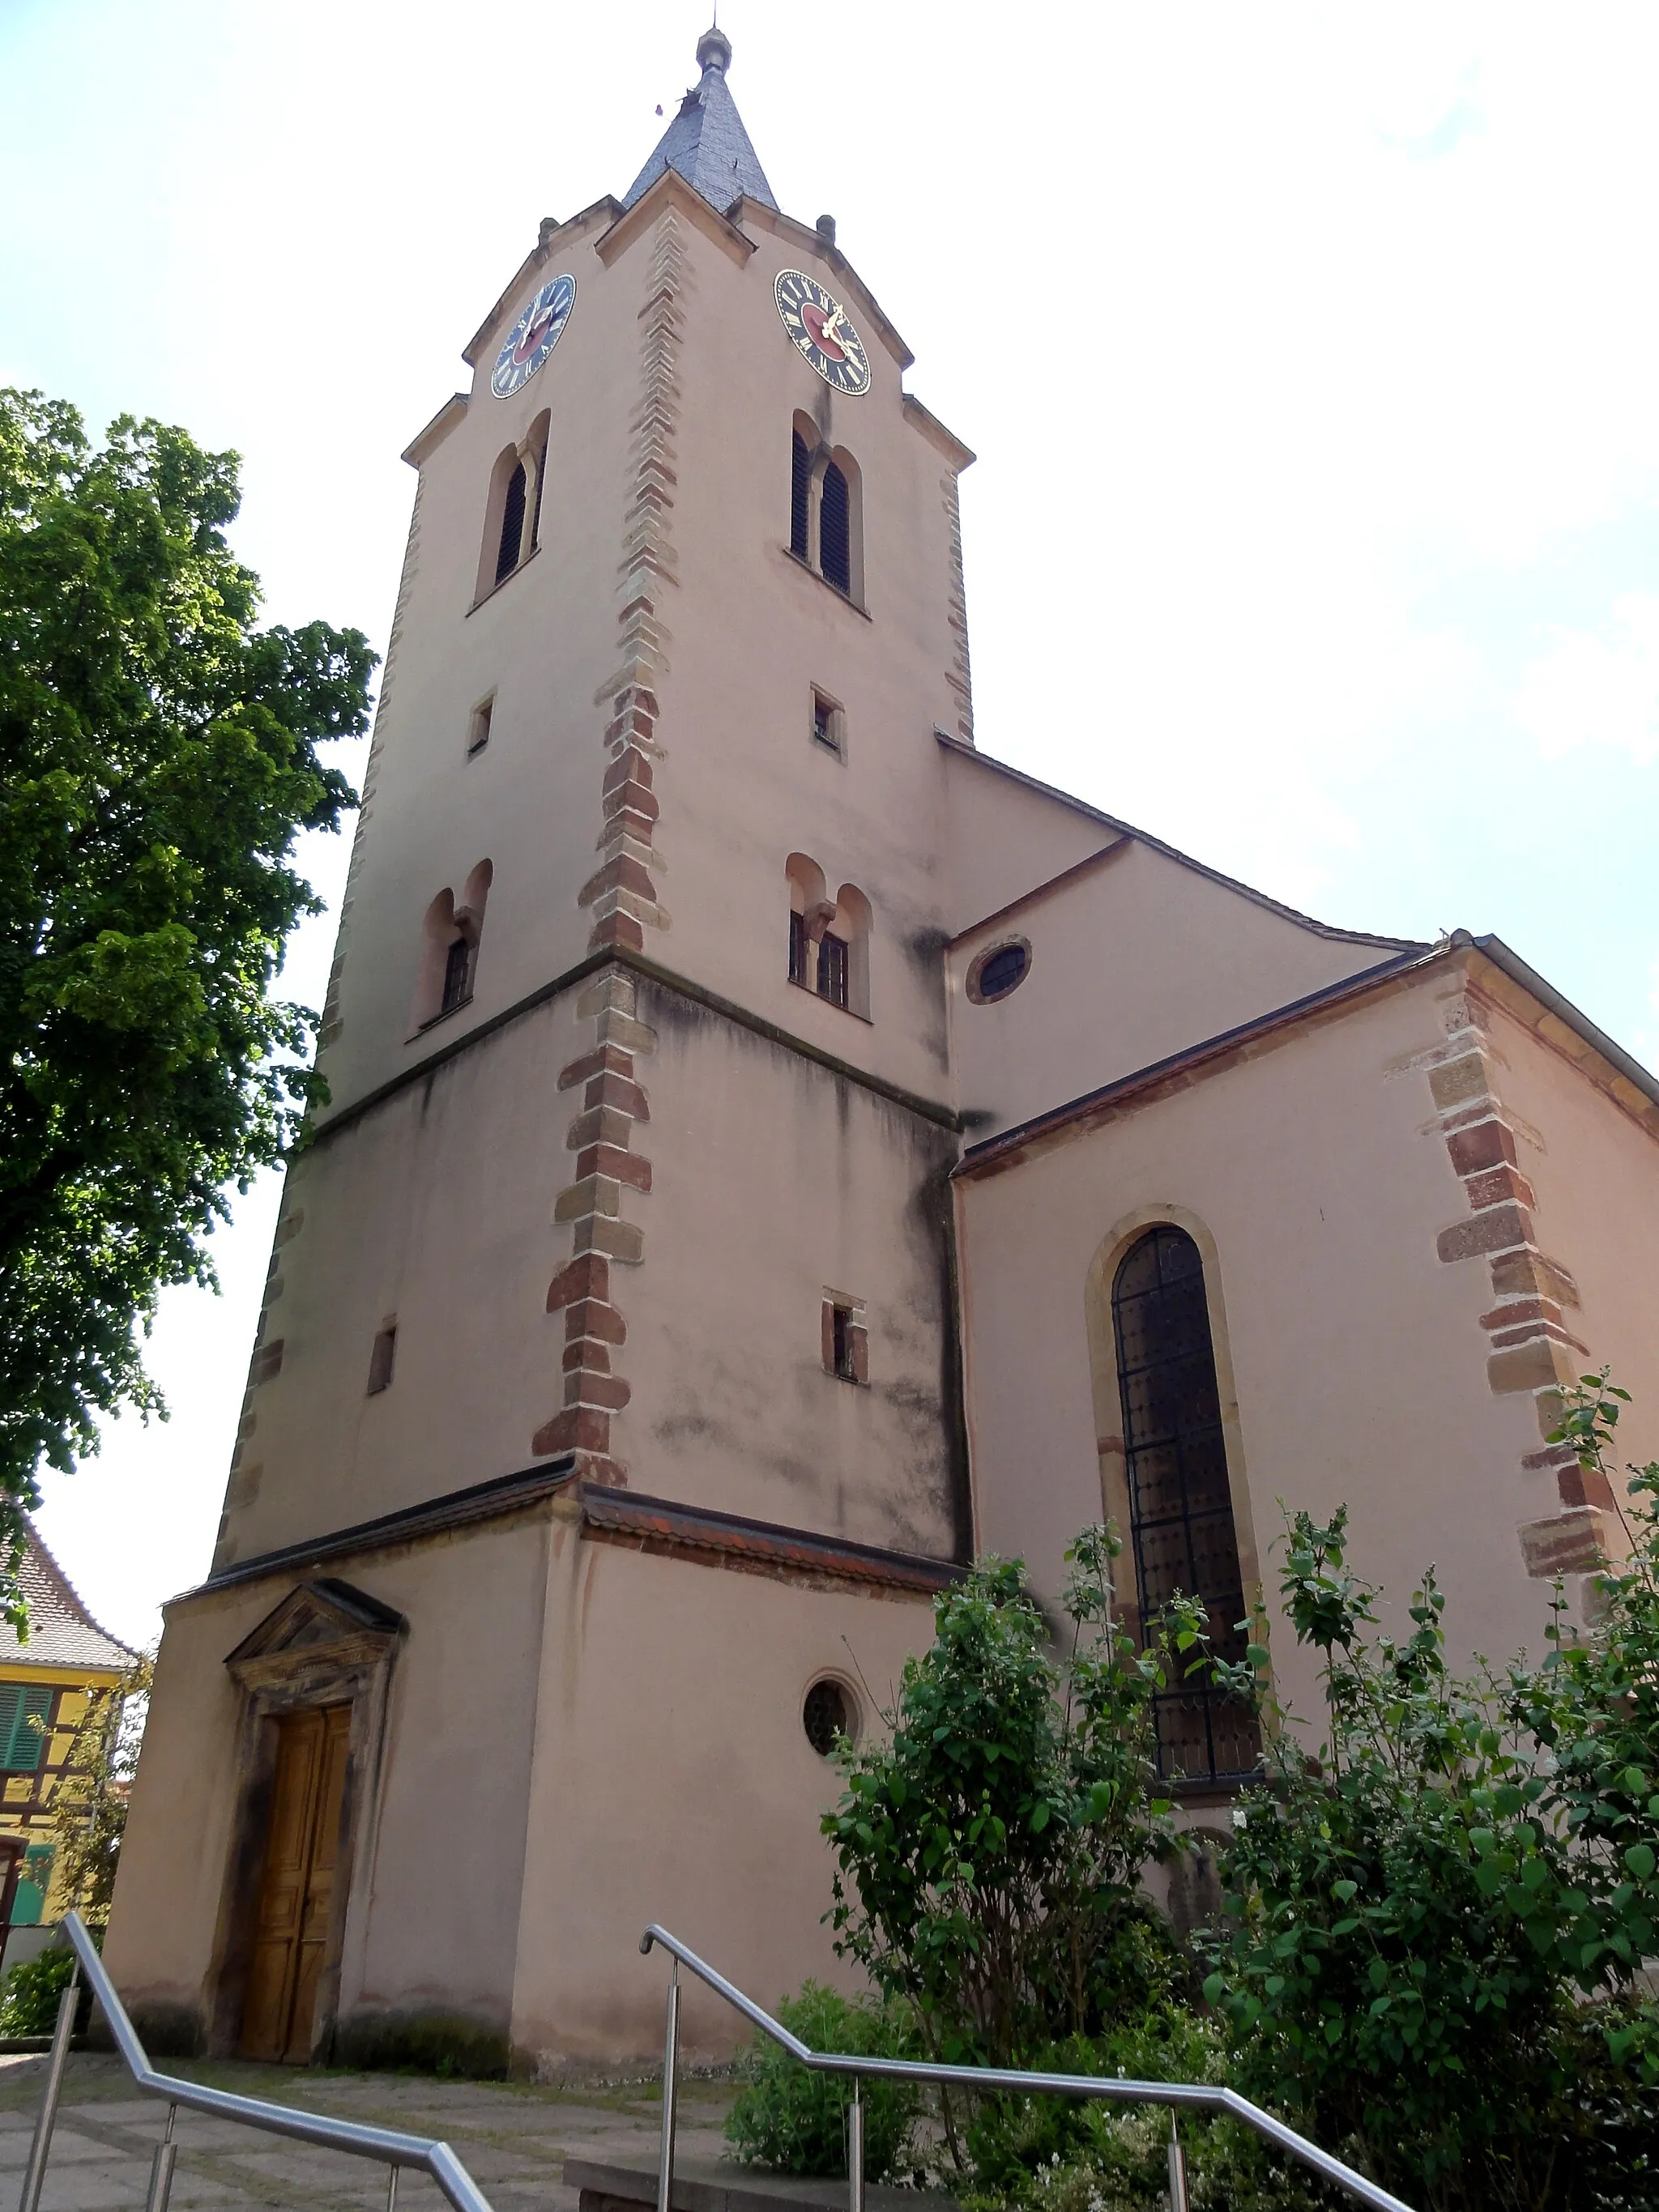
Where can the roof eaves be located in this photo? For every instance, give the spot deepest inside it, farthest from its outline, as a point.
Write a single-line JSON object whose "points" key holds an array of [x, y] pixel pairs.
{"points": [[1174, 853], [1537, 987]]}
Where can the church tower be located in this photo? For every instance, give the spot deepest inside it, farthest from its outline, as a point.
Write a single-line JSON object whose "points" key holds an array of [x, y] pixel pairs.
{"points": [[603, 1443]]}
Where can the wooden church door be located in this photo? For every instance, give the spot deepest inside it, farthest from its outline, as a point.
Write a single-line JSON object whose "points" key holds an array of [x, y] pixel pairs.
{"points": [[295, 1903]]}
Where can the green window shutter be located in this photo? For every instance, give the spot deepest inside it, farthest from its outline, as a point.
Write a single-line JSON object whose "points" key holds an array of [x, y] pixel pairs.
{"points": [[29, 1742], [22, 1744]]}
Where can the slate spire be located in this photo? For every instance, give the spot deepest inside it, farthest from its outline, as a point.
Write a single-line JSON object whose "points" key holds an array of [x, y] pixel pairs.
{"points": [[706, 142]]}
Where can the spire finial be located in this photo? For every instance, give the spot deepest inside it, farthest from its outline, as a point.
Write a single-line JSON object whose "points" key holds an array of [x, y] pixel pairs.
{"points": [[714, 50]]}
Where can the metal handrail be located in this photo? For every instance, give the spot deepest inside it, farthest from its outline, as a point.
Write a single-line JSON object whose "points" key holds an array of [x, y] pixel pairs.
{"points": [[1192, 2095], [390, 2146]]}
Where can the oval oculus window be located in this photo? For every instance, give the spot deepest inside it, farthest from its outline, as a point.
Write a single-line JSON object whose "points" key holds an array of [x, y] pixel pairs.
{"points": [[998, 971], [826, 1714]]}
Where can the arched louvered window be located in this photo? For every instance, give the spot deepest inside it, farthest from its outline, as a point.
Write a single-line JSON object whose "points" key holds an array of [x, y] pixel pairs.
{"points": [[1180, 1510], [835, 531], [457, 974], [506, 556], [800, 497]]}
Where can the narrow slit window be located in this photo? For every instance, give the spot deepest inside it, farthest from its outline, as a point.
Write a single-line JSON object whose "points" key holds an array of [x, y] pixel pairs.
{"points": [[840, 1334], [832, 969], [800, 497], [1181, 1513], [507, 557], [457, 974], [383, 1359], [798, 947], [477, 728], [835, 531]]}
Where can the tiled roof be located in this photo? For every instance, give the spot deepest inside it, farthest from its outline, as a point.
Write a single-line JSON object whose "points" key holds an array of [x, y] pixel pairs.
{"points": [[61, 1632], [706, 142]]}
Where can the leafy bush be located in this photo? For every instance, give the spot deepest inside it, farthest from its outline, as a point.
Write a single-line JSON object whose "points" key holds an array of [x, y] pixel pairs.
{"points": [[1437, 1925], [1054, 2155], [795, 2121], [989, 1853], [29, 1994]]}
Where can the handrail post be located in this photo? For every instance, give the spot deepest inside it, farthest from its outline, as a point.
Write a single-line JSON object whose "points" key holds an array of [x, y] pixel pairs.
{"points": [[1177, 2171], [34, 2177], [161, 2171], [670, 2055], [855, 2149]]}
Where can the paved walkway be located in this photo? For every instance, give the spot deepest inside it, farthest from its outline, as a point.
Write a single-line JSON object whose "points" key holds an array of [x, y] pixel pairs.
{"points": [[512, 2138]]}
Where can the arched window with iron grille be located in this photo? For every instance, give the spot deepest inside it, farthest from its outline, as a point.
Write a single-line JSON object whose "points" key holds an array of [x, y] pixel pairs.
{"points": [[1182, 1534], [835, 530]]}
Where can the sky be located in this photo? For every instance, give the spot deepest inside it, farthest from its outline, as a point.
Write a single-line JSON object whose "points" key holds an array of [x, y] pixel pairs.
{"points": [[1311, 355]]}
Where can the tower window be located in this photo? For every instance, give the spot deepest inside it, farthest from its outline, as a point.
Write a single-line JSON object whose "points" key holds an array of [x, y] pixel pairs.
{"points": [[800, 497], [478, 728], [828, 723], [832, 969], [826, 506], [835, 531], [507, 553], [799, 945], [1181, 1512], [458, 971], [451, 935], [845, 1341], [382, 1359]]}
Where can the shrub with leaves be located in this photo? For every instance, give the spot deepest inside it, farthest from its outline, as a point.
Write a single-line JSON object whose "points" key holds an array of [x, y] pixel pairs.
{"points": [[989, 1852], [1420, 1914], [29, 1994], [795, 2120], [1058, 2154]]}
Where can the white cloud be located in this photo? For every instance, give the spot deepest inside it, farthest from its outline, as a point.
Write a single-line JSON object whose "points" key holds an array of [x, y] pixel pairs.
{"points": [[1597, 687]]}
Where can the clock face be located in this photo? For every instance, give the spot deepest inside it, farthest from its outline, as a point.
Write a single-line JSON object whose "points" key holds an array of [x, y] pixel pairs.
{"points": [[533, 336], [817, 322]]}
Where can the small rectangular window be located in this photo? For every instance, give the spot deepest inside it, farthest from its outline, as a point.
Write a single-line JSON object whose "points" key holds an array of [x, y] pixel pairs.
{"points": [[845, 1341], [829, 723], [798, 948], [832, 969], [382, 1359], [477, 728]]}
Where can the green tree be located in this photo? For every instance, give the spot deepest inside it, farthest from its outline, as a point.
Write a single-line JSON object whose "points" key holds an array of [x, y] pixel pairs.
{"points": [[158, 754]]}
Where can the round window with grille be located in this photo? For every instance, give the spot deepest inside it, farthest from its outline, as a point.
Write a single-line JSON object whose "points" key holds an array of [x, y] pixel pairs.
{"points": [[998, 970], [827, 1713]]}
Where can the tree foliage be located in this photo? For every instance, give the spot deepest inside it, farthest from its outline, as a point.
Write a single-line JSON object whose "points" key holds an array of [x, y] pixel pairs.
{"points": [[158, 754], [989, 1852]]}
